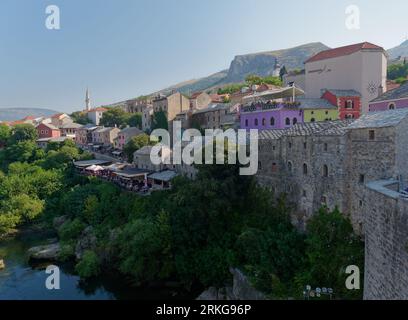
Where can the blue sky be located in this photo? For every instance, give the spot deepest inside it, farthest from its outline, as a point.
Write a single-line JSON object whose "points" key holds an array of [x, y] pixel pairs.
{"points": [[125, 48]]}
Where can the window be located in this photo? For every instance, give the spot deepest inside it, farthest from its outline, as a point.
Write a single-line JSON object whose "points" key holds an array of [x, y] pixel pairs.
{"points": [[371, 135], [312, 112], [349, 116], [325, 147], [272, 121], [361, 203], [305, 169], [327, 112], [274, 167], [290, 145], [304, 145], [324, 200], [246, 122], [304, 194], [287, 121], [362, 178], [259, 165], [273, 148], [256, 122], [263, 121], [391, 106], [290, 166], [312, 120], [294, 121], [325, 171], [349, 104]]}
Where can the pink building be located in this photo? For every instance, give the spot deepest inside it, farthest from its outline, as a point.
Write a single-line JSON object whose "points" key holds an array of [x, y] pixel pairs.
{"points": [[393, 99], [47, 130]]}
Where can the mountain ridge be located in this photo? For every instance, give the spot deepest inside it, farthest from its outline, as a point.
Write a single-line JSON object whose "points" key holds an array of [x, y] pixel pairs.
{"points": [[18, 113]]}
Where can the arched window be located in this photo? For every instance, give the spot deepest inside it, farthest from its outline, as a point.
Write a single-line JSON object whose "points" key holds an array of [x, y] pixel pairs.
{"points": [[274, 167], [391, 106], [287, 121], [246, 123], [294, 121], [312, 120], [272, 121], [305, 169], [325, 171], [256, 122], [290, 166], [263, 121]]}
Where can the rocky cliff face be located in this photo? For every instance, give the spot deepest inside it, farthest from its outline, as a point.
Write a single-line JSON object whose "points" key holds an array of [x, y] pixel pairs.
{"points": [[261, 64], [399, 51]]}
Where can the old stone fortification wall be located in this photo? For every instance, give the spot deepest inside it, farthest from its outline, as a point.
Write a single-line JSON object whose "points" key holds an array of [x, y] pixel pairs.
{"points": [[386, 247]]}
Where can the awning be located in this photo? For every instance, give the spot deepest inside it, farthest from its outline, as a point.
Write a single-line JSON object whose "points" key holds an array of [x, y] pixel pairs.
{"points": [[95, 168], [164, 176], [274, 94]]}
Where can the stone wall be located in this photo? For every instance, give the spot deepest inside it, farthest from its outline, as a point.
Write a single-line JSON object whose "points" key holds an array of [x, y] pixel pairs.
{"points": [[386, 247]]}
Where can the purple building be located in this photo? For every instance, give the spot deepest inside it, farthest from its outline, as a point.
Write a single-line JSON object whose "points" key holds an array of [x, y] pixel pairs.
{"points": [[393, 99], [270, 115]]}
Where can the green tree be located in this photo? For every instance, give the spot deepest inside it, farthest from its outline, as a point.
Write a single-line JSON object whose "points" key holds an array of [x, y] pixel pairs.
{"points": [[5, 133], [159, 121], [23, 132], [115, 117], [135, 120], [331, 247], [80, 117], [134, 144], [89, 266]]}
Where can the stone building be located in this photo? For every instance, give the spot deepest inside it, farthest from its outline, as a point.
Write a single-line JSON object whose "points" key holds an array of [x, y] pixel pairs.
{"points": [[359, 166], [171, 105]]}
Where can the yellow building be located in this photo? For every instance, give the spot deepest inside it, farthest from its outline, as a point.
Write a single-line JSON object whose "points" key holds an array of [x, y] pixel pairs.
{"points": [[316, 110]]}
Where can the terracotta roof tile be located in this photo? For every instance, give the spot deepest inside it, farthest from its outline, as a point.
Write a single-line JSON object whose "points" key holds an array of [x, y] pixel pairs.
{"points": [[342, 51]]}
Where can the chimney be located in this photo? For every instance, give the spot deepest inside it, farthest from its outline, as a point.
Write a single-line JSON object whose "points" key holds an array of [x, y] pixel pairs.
{"points": [[380, 90]]}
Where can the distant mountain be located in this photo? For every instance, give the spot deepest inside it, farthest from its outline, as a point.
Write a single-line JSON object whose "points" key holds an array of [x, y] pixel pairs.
{"points": [[399, 51], [261, 64], [12, 114]]}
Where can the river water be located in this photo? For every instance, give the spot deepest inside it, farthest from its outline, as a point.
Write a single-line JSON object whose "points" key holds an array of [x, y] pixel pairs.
{"points": [[22, 281]]}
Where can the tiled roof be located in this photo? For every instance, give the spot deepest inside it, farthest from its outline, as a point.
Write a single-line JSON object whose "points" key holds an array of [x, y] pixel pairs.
{"points": [[326, 128], [131, 130], [343, 93], [215, 107], [101, 109], [306, 103], [49, 125], [398, 93], [343, 51], [380, 119], [70, 125], [271, 134], [196, 94]]}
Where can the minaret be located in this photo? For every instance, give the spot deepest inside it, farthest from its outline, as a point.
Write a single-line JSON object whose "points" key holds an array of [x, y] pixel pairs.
{"points": [[87, 101]]}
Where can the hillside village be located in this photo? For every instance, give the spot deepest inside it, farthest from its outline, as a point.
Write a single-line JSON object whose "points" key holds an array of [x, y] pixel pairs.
{"points": [[333, 134]]}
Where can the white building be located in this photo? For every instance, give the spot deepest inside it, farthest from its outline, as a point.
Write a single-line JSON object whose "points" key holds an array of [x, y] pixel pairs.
{"points": [[361, 67]]}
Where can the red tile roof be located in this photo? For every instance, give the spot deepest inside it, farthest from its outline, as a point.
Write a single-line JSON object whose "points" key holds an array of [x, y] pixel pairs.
{"points": [[98, 109], [28, 118], [57, 115], [196, 94], [343, 51]]}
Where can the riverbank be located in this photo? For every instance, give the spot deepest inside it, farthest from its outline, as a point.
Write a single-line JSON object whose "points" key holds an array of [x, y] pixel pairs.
{"points": [[21, 280]]}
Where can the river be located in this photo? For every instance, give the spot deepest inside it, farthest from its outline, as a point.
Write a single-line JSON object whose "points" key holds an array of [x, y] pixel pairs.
{"points": [[22, 281]]}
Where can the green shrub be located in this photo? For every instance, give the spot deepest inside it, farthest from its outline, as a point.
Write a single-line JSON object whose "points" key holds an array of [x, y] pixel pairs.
{"points": [[89, 265], [71, 230]]}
